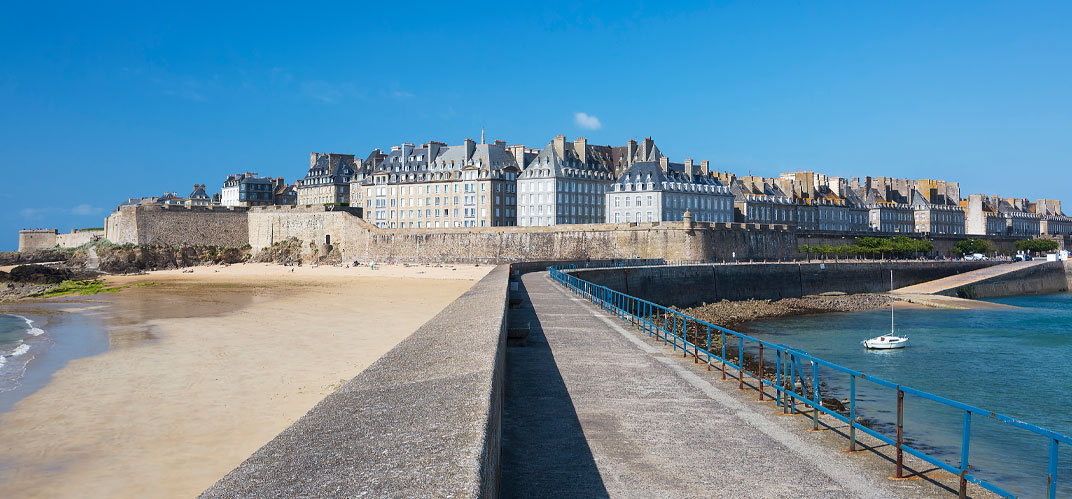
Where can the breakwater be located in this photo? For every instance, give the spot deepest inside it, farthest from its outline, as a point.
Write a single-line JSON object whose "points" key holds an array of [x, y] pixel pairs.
{"points": [[422, 421], [690, 285]]}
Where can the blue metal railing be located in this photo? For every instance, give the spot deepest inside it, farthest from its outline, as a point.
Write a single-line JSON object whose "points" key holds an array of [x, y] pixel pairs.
{"points": [[789, 372]]}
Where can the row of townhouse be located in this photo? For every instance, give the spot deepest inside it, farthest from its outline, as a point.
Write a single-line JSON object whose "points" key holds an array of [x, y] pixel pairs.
{"points": [[435, 185]]}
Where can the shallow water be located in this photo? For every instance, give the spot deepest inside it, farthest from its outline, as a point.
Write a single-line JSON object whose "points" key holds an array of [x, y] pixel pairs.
{"points": [[1016, 362]]}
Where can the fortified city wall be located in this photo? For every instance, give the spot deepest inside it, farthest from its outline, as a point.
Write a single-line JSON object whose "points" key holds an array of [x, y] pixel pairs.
{"points": [[359, 240], [35, 239], [340, 229], [178, 226]]}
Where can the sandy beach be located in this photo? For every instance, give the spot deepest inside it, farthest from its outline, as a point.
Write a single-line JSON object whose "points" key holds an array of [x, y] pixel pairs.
{"points": [[203, 368]]}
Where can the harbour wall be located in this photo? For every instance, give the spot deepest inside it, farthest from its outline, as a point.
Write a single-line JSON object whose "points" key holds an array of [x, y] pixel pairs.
{"points": [[1049, 277], [690, 285], [422, 421]]}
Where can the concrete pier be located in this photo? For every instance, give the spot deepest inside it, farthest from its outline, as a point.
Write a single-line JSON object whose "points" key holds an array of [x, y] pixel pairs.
{"points": [[593, 408]]}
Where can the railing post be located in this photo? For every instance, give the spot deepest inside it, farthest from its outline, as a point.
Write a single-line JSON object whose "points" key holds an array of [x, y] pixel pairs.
{"points": [[708, 348], [900, 432], [1052, 477], [759, 372], [815, 396], [793, 384], [965, 444], [723, 355], [664, 329], [778, 388], [740, 362], [852, 413], [684, 336]]}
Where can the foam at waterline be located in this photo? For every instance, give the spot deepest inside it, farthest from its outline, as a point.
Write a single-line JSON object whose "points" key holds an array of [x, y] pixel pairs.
{"points": [[19, 350], [33, 331]]}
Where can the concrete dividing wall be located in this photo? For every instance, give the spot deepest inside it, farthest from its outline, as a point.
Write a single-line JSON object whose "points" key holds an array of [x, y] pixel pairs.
{"points": [[178, 226], [422, 421], [690, 285], [1049, 277]]}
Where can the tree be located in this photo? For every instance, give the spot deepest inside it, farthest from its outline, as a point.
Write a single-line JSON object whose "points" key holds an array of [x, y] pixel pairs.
{"points": [[1036, 245], [971, 246]]}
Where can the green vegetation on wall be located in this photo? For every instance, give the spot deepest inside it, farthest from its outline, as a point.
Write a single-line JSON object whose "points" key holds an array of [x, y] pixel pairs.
{"points": [[874, 247]]}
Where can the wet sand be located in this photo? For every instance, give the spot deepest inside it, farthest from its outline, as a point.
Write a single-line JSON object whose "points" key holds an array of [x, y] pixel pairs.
{"points": [[202, 369]]}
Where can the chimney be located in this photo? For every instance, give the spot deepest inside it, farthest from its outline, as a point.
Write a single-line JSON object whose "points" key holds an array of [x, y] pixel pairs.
{"points": [[631, 149], [470, 148], [312, 159], [560, 146], [580, 146], [688, 168], [407, 148], [500, 143], [706, 167], [664, 163]]}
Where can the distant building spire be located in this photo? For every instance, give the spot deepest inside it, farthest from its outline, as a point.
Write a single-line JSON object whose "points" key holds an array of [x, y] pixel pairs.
{"points": [[482, 135]]}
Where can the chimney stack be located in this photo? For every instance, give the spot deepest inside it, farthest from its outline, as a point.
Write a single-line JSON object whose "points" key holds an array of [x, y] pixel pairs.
{"points": [[664, 163], [706, 167], [580, 146], [560, 146], [688, 168]]}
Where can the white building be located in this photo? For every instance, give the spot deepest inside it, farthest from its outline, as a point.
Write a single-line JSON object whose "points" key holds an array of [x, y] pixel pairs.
{"points": [[565, 184], [662, 191]]}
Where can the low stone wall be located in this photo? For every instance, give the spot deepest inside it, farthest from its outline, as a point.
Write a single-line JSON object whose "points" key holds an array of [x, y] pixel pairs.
{"points": [[1049, 277], [690, 285], [422, 421]]}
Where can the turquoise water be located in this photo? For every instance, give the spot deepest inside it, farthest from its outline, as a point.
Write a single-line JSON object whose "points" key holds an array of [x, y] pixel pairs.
{"points": [[1016, 362]]}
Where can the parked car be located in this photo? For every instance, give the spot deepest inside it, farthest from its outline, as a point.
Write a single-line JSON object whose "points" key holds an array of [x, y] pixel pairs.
{"points": [[975, 257]]}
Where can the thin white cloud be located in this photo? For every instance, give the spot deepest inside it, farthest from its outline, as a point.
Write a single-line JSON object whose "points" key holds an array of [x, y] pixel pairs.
{"points": [[86, 210], [329, 92], [587, 121]]}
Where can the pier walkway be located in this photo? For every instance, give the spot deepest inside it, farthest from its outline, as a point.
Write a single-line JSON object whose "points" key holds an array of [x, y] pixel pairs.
{"points": [[594, 408]]}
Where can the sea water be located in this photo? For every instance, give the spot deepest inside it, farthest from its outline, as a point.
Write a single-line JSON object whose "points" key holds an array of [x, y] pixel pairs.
{"points": [[20, 341], [1016, 362]]}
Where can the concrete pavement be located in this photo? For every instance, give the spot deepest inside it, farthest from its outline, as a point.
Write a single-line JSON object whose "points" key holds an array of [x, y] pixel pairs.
{"points": [[593, 409]]}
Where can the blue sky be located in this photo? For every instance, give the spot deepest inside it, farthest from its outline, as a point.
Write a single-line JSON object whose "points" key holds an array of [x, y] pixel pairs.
{"points": [[101, 103]]}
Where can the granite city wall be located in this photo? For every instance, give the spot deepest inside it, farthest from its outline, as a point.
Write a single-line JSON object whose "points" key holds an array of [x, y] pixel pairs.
{"points": [[359, 240], [422, 421], [35, 239], [178, 226], [690, 285]]}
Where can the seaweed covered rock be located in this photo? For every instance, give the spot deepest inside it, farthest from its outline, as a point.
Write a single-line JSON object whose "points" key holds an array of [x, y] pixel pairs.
{"points": [[38, 274]]}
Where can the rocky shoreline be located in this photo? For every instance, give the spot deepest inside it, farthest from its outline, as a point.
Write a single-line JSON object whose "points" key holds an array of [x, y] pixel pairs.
{"points": [[730, 314]]}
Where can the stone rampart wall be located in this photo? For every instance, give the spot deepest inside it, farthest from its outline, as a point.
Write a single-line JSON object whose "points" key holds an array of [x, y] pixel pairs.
{"points": [[78, 238], [36, 239], [689, 285], [178, 226]]}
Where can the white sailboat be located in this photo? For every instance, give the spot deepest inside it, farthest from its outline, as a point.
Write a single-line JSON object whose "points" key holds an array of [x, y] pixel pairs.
{"points": [[887, 341]]}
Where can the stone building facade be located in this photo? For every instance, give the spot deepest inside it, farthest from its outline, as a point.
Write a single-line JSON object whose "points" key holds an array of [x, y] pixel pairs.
{"points": [[441, 186], [328, 179], [246, 190], [564, 183], [663, 192]]}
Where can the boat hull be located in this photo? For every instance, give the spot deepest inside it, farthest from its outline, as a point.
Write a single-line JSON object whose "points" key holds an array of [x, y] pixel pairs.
{"points": [[876, 344]]}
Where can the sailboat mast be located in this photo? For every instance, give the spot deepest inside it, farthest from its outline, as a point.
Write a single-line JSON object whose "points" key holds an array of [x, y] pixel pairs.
{"points": [[891, 301]]}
